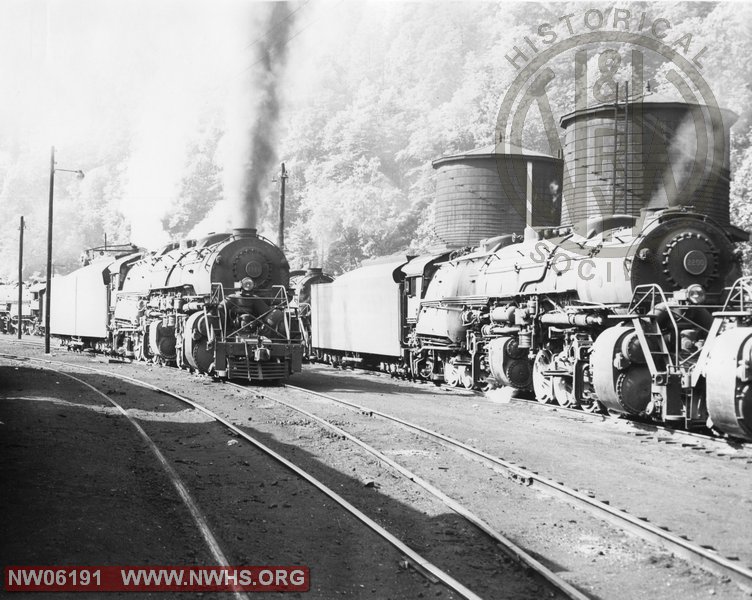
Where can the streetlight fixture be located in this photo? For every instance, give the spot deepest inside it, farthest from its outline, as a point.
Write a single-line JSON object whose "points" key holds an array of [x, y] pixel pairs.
{"points": [[48, 294]]}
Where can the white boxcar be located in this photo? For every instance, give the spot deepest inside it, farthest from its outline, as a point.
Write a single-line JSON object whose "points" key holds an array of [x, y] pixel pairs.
{"points": [[79, 302], [359, 311]]}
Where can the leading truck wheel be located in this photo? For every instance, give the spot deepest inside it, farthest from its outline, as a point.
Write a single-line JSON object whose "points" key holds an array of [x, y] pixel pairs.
{"points": [[195, 340], [728, 373], [141, 347], [451, 376], [466, 378], [162, 340]]}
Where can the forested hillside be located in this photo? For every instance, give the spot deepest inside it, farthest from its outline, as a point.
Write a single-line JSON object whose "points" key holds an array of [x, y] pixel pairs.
{"points": [[371, 92]]}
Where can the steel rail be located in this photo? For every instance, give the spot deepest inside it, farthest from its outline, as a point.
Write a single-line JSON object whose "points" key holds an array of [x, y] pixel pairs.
{"points": [[515, 551], [198, 516], [708, 559], [627, 420], [422, 563], [681, 547], [636, 426]]}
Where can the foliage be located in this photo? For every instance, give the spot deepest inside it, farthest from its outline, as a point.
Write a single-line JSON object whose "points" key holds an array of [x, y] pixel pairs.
{"points": [[373, 92]]}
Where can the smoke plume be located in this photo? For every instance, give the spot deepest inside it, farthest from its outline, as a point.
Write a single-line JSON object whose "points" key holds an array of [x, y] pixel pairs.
{"points": [[681, 162], [249, 144]]}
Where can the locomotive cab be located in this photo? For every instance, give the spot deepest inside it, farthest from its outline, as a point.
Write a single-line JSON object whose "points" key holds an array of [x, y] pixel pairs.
{"points": [[417, 275]]}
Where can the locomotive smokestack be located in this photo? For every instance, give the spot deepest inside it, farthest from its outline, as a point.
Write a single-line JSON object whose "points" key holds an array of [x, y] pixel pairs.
{"points": [[244, 232]]}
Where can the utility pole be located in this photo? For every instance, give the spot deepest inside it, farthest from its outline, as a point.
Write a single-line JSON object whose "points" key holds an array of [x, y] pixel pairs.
{"points": [[48, 290], [281, 235], [20, 276]]}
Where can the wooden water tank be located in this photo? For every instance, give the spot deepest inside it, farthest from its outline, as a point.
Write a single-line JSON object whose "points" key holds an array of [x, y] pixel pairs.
{"points": [[485, 193], [674, 154]]}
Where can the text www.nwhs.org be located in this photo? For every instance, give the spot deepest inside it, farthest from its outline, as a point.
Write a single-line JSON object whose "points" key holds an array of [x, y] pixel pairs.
{"points": [[157, 579]]}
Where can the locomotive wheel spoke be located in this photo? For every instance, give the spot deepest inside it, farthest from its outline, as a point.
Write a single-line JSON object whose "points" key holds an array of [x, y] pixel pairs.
{"points": [[542, 384], [594, 407], [563, 392], [451, 377]]}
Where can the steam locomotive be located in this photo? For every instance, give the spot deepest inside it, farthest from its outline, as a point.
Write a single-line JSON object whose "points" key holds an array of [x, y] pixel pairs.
{"points": [[9, 309], [640, 312], [217, 305]]}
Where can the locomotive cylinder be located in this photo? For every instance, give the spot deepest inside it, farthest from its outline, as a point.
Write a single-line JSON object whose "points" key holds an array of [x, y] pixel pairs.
{"points": [[503, 314]]}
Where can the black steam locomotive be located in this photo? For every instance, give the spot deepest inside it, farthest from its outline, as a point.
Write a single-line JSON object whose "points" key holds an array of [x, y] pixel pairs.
{"points": [[217, 305], [628, 300]]}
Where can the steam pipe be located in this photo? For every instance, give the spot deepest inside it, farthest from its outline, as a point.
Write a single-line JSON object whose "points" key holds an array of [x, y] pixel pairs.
{"points": [[626, 146], [571, 319], [616, 146]]}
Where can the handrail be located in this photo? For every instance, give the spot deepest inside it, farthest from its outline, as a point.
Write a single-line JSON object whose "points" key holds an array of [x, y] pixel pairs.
{"points": [[279, 301], [740, 291], [651, 291]]}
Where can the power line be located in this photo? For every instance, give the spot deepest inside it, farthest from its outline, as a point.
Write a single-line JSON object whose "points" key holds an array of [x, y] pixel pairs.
{"points": [[286, 41], [277, 24]]}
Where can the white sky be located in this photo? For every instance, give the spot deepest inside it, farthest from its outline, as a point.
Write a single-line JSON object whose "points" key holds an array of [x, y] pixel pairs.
{"points": [[78, 74], [73, 67]]}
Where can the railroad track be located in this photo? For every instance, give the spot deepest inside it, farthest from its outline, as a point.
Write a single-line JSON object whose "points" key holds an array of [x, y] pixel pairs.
{"points": [[600, 508], [415, 559], [513, 550], [199, 518], [677, 544], [655, 432], [730, 448]]}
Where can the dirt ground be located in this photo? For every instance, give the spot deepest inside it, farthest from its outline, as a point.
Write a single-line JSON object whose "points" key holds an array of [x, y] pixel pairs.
{"points": [[702, 492], [699, 495], [76, 489], [81, 488]]}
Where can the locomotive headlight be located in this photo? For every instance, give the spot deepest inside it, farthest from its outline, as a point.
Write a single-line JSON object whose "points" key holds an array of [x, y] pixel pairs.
{"points": [[246, 284], [695, 294]]}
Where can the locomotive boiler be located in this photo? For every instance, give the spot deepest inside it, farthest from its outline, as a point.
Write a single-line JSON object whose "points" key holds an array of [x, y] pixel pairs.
{"points": [[532, 314], [218, 305]]}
